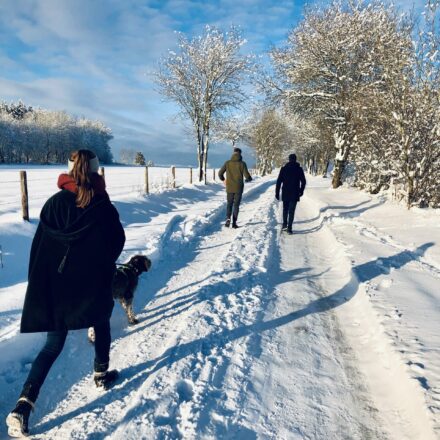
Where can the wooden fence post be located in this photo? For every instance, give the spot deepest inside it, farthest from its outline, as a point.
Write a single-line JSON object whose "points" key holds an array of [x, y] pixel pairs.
{"points": [[213, 174], [190, 175], [173, 174], [147, 184], [102, 172], [24, 195]]}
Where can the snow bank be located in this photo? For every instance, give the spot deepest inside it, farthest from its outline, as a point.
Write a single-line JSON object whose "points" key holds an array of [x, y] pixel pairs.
{"points": [[394, 256]]}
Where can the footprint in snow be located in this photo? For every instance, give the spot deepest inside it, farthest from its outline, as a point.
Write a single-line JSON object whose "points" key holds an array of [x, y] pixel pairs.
{"points": [[386, 283], [417, 367], [185, 390], [417, 341], [162, 420], [395, 314], [424, 382], [436, 393]]}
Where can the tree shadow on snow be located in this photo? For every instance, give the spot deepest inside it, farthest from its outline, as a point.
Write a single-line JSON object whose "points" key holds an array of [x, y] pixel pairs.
{"points": [[346, 214], [343, 211], [143, 209], [138, 373], [326, 208], [152, 282], [384, 265], [208, 293], [135, 375]]}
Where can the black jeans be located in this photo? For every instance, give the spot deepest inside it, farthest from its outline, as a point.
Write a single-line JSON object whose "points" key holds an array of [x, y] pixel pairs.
{"points": [[233, 204], [288, 213], [51, 350]]}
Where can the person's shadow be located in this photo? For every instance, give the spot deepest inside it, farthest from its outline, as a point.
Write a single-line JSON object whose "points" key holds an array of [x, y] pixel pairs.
{"points": [[137, 374]]}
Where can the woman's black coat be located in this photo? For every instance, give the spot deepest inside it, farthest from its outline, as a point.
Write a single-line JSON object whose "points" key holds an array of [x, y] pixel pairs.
{"points": [[292, 181], [71, 265]]}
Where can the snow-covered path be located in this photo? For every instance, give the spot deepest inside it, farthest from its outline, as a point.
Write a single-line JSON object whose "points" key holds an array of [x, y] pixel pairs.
{"points": [[243, 334]]}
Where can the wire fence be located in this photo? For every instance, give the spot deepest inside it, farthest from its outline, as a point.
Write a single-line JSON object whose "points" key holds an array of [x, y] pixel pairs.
{"points": [[24, 191]]}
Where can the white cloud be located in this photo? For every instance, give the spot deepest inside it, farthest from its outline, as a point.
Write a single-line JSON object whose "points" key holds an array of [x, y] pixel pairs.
{"points": [[91, 57]]}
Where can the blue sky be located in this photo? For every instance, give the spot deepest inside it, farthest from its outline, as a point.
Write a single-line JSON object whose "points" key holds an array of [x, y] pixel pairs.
{"points": [[93, 58]]}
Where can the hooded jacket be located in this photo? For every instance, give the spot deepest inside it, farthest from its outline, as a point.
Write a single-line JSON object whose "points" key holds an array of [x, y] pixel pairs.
{"points": [[72, 262], [292, 181], [236, 171]]}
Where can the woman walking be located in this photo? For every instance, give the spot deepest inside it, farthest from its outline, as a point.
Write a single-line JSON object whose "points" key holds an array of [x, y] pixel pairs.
{"points": [[72, 262]]}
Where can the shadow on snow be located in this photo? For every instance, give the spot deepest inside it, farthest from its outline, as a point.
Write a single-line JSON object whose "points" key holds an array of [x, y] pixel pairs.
{"points": [[135, 375]]}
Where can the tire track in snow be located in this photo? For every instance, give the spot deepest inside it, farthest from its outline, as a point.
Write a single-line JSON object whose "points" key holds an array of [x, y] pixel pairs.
{"points": [[371, 232], [398, 400], [389, 273], [303, 384], [343, 380]]}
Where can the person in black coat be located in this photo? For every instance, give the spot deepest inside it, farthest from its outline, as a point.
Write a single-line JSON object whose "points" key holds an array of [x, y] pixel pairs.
{"points": [[293, 182], [71, 267]]}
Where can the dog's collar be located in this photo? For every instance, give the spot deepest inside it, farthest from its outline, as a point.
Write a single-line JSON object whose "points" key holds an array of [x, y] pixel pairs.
{"points": [[136, 271]]}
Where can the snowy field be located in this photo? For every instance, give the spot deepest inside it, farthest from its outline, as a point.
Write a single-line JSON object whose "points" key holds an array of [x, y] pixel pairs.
{"points": [[331, 333], [120, 181]]}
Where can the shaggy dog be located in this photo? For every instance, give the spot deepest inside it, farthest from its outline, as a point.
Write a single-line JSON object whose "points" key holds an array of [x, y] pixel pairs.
{"points": [[125, 281]]}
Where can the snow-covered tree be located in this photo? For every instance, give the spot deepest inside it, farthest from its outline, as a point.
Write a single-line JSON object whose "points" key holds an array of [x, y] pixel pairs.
{"points": [[331, 61], [16, 110], [269, 135], [127, 156], [312, 141], [205, 78], [42, 136], [232, 129], [398, 145], [415, 109]]}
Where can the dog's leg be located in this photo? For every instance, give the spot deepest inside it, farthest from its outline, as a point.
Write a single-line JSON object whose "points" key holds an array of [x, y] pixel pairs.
{"points": [[128, 307], [91, 335]]}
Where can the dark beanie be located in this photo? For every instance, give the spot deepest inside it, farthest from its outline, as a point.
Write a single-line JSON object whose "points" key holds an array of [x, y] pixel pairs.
{"points": [[292, 157]]}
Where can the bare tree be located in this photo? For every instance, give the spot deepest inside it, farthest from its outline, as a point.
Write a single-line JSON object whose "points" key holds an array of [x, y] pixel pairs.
{"points": [[205, 79], [358, 80], [127, 156]]}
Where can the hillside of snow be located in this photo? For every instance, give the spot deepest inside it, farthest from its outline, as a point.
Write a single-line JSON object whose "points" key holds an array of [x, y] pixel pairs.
{"points": [[331, 333]]}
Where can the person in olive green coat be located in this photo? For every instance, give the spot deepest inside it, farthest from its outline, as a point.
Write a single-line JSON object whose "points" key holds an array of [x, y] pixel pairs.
{"points": [[236, 171]]}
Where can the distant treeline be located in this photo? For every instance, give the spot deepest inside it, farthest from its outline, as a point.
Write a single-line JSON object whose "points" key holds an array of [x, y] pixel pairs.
{"points": [[35, 135]]}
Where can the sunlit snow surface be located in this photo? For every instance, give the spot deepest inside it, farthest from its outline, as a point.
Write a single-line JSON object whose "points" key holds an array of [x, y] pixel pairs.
{"points": [[331, 333]]}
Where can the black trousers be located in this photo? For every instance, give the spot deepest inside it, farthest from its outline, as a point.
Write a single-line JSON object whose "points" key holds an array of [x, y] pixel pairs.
{"points": [[233, 204], [288, 213], [52, 349]]}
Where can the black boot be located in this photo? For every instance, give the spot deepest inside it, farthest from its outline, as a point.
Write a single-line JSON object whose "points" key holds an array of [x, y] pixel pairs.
{"points": [[234, 222], [18, 419], [106, 379], [227, 222]]}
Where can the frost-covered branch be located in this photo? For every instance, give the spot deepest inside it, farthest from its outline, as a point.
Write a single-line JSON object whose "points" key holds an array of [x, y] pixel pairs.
{"points": [[205, 79], [41, 136]]}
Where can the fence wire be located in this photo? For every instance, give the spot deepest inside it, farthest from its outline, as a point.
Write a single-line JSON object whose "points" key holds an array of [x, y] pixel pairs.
{"points": [[159, 179]]}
